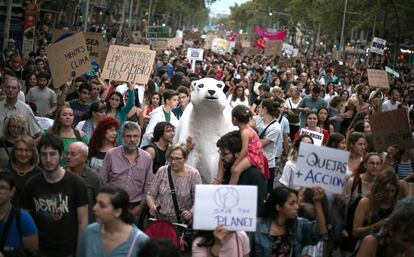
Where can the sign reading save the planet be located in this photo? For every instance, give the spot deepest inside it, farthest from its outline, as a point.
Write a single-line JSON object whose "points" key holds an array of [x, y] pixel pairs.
{"points": [[321, 166], [233, 206]]}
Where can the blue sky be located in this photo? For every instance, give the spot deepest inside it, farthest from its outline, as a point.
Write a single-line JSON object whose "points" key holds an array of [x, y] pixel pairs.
{"points": [[223, 6]]}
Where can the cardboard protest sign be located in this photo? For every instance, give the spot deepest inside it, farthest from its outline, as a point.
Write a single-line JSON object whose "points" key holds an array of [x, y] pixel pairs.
{"points": [[321, 166], [392, 72], [94, 43], [391, 128], [252, 51], [316, 136], [245, 44], [68, 57], [195, 54], [128, 64], [233, 206], [104, 53], [140, 46], [378, 78], [273, 47], [287, 49], [60, 34], [378, 45], [175, 42], [159, 44], [220, 46]]}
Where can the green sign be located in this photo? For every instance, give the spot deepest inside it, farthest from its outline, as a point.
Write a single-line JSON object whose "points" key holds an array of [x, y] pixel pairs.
{"points": [[158, 32], [392, 72]]}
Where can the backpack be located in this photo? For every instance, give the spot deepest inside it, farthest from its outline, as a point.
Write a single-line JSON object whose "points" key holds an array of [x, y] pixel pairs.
{"points": [[166, 230], [15, 213]]}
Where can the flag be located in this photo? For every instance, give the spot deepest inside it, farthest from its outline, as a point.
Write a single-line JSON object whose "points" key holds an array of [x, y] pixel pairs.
{"points": [[278, 35]]}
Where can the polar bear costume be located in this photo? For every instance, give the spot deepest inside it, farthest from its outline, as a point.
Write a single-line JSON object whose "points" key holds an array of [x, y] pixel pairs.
{"points": [[206, 119]]}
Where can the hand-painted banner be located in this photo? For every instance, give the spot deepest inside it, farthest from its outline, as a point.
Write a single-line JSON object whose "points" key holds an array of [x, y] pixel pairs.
{"points": [[262, 32]]}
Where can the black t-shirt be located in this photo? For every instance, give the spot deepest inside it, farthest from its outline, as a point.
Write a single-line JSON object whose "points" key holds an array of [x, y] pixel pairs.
{"points": [[159, 159], [252, 177], [20, 182], [54, 209]]}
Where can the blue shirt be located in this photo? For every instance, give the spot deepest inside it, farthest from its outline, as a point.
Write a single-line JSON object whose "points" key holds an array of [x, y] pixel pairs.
{"points": [[27, 228], [90, 244]]}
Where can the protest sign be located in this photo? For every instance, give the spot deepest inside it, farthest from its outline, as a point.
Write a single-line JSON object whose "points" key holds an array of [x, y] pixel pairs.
{"points": [[154, 32], [391, 128], [378, 78], [252, 51], [220, 46], [295, 52], [128, 64], [378, 45], [316, 136], [392, 72], [159, 44], [104, 53], [195, 54], [68, 57], [60, 34], [287, 49], [174, 42], [321, 166], [233, 206], [140, 46], [245, 44], [94, 43], [273, 47]]}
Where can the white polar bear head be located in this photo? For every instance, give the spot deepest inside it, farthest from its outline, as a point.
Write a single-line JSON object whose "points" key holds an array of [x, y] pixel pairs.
{"points": [[208, 92]]}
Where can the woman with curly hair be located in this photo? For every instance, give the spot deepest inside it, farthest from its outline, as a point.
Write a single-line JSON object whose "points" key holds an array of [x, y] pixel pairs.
{"points": [[103, 139], [14, 126], [238, 97]]}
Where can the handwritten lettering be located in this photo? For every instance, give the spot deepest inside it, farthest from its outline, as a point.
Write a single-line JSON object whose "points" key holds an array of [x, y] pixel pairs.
{"points": [[314, 160], [320, 178], [234, 221]]}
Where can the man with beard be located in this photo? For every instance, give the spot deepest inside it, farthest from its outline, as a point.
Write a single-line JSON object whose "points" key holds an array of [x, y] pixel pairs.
{"points": [[42, 96], [163, 137], [129, 167], [229, 148], [57, 201]]}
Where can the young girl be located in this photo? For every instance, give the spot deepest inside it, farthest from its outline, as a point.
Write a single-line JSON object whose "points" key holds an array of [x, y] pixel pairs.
{"points": [[251, 153]]}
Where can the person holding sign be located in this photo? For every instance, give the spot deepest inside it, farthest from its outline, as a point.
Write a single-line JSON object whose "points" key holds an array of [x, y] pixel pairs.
{"points": [[318, 134], [116, 108], [220, 242], [279, 231]]}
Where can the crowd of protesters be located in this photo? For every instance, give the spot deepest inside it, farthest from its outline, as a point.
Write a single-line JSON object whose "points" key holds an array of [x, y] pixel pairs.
{"points": [[82, 163]]}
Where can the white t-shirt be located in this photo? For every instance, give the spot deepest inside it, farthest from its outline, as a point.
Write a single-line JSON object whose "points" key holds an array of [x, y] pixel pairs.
{"points": [[273, 133], [238, 101], [288, 175], [388, 106]]}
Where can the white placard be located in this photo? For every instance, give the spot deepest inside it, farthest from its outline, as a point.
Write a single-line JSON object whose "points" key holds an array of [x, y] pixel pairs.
{"points": [[287, 49], [321, 166], [295, 52], [233, 206], [195, 54], [378, 45], [316, 136]]}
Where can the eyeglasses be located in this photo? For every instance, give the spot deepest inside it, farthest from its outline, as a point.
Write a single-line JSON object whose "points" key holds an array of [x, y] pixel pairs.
{"points": [[171, 158]]}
